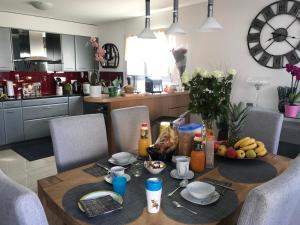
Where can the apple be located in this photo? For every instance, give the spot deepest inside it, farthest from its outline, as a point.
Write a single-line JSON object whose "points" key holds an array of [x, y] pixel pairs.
{"points": [[222, 149], [240, 154], [231, 153]]}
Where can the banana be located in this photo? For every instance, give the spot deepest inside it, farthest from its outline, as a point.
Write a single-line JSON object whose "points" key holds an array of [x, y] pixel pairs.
{"points": [[236, 145], [263, 152], [248, 147], [259, 149], [260, 144], [248, 142]]}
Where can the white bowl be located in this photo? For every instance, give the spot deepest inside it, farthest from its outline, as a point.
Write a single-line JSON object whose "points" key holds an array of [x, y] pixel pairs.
{"points": [[153, 170], [200, 190], [122, 157]]}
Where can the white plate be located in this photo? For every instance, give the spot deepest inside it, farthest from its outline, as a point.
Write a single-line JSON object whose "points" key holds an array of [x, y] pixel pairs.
{"points": [[175, 175], [98, 194], [114, 162], [187, 196], [108, 179]]}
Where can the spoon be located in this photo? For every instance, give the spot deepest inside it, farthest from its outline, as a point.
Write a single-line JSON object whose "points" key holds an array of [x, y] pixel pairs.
{"points": [[177, 204], [183, 183]]}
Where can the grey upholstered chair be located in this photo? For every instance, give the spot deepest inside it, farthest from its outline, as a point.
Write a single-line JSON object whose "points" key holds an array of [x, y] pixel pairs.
{"points": [[19, 205], [276, 202], [126, 124], [78, 140], [265, 126]]}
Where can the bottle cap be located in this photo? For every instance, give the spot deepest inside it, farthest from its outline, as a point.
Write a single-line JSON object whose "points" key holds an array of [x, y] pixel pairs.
{"points": [[144, 125], [153, 184], [198, 135]]}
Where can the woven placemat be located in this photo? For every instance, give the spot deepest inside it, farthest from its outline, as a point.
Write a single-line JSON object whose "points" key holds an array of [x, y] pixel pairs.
{"points": [[246, 171]]}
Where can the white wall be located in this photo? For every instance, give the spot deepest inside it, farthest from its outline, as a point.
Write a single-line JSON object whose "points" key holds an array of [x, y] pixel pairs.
{"points": [[46, 24], [226, 48]]}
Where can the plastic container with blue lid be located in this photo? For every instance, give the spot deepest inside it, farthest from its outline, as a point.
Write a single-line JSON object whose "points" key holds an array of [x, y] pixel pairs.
{"points": [[186, 134]]}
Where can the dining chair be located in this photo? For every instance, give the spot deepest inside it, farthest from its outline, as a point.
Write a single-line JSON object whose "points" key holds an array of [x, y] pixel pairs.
{"points": [[19, 205], [275, 202], [126, 124], [264, 126], [78, 140]]}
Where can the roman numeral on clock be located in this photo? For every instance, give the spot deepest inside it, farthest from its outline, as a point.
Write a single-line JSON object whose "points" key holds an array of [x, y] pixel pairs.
{"points": [[268, 13], [256, 50], [253, 38], [264, 59], [293, 57], [295, 9], [257, 24], [282, 7], [278, 62]]}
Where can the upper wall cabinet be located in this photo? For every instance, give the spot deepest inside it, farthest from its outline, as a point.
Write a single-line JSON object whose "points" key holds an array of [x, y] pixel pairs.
{"points": [[84, 54], [6, 61], [68, 52]]}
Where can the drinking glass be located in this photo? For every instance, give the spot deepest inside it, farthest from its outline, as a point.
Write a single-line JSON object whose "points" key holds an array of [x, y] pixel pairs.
{"points": [[137, 168], [119, 184]]}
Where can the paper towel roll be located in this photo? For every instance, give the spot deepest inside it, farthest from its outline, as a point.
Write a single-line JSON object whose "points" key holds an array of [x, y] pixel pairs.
{"points": [[10, 88]]}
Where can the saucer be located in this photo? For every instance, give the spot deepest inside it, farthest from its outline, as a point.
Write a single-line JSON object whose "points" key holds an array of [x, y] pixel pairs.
{"points": [[108, 179], [211, 199], [175, 175], [114, 162]]}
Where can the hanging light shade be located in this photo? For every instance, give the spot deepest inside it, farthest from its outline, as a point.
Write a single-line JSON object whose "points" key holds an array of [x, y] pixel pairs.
{"points": [[147, 33], [175, 28], [210, 24]]}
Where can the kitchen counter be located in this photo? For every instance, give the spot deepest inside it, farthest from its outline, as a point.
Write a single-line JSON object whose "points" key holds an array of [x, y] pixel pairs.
{"points": [[40, 97]]}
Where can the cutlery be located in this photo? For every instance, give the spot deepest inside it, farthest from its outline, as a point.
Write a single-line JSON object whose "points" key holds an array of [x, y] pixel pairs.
{"points": [[177, 204], [104, 167], [183, 183], [221, 185]]}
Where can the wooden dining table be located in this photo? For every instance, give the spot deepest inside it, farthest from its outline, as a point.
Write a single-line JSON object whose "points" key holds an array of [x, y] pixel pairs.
{"points": [[52, 189]]}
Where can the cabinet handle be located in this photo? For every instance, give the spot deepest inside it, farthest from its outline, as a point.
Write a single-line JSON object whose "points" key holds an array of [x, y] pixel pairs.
{"points": [[45, 108], [10, 112]]}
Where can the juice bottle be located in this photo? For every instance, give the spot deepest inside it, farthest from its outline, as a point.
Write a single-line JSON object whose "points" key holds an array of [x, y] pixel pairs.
{"points": [[144, 141], [198, 155]]}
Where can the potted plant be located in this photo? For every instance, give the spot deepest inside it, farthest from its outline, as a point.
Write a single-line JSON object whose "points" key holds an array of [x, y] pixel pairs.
{"points": [[210, 94], [291, 109], [94, 79], [113, 88]]}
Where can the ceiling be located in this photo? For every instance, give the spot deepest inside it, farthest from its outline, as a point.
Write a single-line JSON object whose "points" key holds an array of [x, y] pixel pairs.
{"points": [[91, 11]]}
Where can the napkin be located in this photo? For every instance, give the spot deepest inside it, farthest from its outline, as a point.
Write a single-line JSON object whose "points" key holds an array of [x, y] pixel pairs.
{"points": [[100, 206]]}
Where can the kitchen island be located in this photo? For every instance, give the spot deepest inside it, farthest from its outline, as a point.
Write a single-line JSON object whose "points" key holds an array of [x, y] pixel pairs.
{"points": [[172, 105]]}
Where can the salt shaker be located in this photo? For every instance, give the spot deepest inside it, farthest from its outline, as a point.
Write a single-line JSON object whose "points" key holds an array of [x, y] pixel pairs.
{"points": [[153, 193]]}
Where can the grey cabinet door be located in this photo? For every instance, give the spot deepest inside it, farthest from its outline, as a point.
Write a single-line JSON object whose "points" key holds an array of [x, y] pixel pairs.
{"points": [[6, 63], [75, 105], [2, 131], [38, 112], [84, 54], [13, 125], [68, 52]]}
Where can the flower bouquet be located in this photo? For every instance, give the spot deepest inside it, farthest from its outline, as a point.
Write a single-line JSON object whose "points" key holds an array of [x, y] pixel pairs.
{"points": [[291, 109]]}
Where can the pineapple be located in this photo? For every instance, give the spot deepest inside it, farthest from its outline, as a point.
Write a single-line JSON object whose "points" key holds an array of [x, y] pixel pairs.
{"points": [[237, 115]]}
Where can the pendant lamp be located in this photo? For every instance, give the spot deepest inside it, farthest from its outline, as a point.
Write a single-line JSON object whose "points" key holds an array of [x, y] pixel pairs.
{"points": [[210, 24], [147, 33], [175, 28]]}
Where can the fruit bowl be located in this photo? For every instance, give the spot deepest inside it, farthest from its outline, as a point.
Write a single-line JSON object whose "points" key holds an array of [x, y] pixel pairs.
{"points": [[245, 148]]}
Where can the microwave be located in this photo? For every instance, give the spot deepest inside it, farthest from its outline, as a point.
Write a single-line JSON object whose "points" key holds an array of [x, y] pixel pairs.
{"points": [[153, 86]]}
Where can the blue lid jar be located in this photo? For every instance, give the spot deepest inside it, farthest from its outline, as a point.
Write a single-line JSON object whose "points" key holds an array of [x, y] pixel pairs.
{"points": [[190, 127], [153, 184]]}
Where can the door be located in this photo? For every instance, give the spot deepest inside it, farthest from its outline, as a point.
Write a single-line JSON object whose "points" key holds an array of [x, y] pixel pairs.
{"points": [[84, 54], [6, 63], [13, 123], [68, 52]]}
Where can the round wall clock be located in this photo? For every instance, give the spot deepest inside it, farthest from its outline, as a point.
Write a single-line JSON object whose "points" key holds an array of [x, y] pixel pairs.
{"points": [[274, 35], [111, 57]]}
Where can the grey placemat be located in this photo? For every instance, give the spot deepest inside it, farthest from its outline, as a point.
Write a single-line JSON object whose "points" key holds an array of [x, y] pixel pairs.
{"points": [[98, 171], [214, 212], [246, 171]]}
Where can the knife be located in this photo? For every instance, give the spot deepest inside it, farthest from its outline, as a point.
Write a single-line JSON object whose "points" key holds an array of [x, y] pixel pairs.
{"points": [[221, 185]]}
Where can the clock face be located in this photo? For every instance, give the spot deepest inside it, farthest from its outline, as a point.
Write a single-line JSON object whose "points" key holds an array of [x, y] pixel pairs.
{"points": [[274, 35]]}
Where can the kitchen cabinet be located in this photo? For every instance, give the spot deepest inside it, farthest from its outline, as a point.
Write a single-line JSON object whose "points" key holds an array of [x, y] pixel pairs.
{"points": [[68, 52], [6, 61], [13, 123], [75, 105], [53, 49], [2, 131], [43, 111], [84, 54]]}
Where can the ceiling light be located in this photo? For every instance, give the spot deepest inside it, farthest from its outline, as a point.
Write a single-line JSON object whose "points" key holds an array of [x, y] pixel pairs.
{"points": [[210, 24], [175, 28], [42, 5], [147, 33]]}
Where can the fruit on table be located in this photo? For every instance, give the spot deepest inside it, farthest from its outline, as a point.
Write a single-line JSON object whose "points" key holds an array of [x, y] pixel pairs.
{"points": [[240, 154], [248, 147], [251, 154], [231, 153], [222, 150], [248, 142], [237, 144]]}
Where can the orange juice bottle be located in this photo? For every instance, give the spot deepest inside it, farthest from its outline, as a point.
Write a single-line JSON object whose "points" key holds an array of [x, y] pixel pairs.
{"points": [[144, 141], [198, 155]]}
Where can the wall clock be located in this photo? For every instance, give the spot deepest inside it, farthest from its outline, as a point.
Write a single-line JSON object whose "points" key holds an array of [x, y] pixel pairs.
{"points": [[274, 35], [111, 57]]}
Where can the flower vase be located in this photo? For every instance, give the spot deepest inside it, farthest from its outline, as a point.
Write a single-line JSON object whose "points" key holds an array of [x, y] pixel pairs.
{"points": [[291, 110]]}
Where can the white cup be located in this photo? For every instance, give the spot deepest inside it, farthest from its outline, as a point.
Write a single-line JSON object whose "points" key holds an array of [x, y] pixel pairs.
{"points": [[117, 171], [182, 166]]}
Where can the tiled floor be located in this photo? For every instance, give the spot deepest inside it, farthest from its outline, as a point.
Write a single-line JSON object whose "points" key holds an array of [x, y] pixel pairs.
{"points": [[25, 172]]}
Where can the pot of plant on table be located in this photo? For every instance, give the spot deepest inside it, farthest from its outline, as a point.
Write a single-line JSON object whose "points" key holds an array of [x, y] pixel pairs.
{"points": [[291, 109], [114, 88], [94, 79]]}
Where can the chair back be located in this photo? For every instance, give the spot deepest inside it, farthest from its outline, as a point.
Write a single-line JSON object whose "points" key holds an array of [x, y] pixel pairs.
{"points": [[126, 123], [276, 202], [78, 140], [264, 126], [19, 205]]}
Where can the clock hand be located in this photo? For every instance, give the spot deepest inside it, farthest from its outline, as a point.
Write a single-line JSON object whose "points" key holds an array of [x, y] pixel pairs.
{"points": [[283, 35], [275, 36]]}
